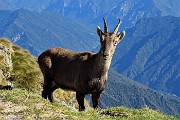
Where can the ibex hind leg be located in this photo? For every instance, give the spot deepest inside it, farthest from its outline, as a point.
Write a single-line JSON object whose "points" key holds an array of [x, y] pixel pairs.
{"points": [[46, 86], [50, 93]]}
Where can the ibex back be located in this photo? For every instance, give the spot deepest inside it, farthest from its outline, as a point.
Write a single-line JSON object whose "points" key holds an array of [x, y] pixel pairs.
{"points": [[84, 73]]}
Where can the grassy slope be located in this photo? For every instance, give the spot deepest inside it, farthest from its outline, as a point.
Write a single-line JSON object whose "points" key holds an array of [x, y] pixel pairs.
{"points": [[23, 104]]}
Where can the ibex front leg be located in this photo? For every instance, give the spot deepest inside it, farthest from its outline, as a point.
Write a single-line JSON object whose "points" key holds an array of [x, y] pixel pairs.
{"points": [[80, 98], [96, 99]]}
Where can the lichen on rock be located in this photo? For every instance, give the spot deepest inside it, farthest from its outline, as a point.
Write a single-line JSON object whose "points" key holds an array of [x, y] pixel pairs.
{"points": [[6, 65]]}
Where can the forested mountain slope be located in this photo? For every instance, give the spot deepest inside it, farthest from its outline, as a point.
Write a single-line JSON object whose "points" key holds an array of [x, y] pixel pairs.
{"points": [[38, 32], [150, 54]]}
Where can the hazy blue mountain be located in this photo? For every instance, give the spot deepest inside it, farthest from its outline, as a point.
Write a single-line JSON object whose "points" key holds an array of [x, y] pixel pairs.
{"points": [[121, 91], [150, 53], [39, 31], [90, 11]]}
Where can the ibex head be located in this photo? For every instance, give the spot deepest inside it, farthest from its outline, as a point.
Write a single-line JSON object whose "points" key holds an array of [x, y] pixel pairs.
{"points": [[109, 40]]}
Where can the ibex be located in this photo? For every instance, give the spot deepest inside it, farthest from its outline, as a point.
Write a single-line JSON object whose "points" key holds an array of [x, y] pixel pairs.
{"points": [[82, 72]]}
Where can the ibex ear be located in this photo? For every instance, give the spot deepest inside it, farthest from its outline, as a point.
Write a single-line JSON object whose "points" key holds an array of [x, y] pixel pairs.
{"points": [[99, 32], [121, 35]]}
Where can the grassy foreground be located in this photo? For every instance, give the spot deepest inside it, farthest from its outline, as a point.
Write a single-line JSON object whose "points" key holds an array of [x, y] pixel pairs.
{"points": [[21, 104]]}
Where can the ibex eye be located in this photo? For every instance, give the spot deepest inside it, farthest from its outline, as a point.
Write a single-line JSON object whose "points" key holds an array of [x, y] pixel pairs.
{"points": [[115, 43]]}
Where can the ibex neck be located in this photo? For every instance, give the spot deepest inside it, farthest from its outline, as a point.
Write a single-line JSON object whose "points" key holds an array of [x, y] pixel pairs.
{"points": [[101, 66]]}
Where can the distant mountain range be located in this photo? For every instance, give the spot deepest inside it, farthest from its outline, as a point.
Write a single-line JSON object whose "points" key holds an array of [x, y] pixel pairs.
{"points": [[92, 11], [40, 31], [150, 54]]}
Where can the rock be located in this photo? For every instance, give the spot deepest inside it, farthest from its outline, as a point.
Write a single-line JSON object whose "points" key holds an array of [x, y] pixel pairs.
{"points": [[6, 65], [3, 80], [6, 60]]}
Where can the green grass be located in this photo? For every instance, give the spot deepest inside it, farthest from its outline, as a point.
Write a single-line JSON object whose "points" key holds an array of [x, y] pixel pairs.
{"points": [[5, 42], [25, 72], [29, 105]]}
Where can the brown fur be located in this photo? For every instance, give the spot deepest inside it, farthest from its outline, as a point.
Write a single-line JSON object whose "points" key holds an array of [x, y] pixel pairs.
{"points": [[81, 72]]}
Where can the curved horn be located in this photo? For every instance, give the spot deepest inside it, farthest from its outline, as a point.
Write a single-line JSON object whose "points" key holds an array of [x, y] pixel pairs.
{"points": [[117, 27], [105, 26]]}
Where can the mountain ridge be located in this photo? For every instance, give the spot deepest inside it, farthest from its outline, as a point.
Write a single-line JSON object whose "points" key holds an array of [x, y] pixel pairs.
{"points": [[31, 29], [150, 54], [90, 11]]}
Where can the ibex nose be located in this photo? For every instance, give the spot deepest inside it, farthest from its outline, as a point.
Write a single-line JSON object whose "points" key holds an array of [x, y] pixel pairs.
{"points": [[105, 55]]}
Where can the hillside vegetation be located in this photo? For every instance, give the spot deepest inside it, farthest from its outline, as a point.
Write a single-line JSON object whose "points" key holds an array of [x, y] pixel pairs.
{"points": [[25, 72], [26, 105]]}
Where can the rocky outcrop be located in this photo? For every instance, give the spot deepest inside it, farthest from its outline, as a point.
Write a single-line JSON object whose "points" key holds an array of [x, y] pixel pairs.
{"points": [[6, 66]]}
